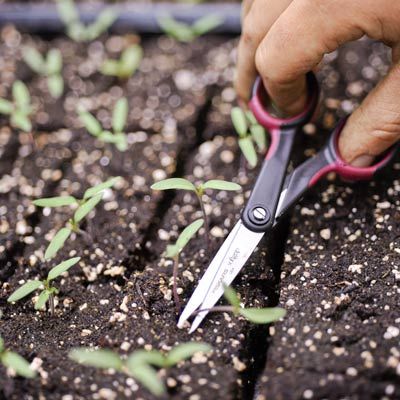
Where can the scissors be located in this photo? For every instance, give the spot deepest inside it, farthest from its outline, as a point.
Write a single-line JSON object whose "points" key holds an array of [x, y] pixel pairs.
{"points": [[273, 195]]}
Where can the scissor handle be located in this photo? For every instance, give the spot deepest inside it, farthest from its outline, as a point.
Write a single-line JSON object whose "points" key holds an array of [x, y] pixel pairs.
{"points": [[259, 213], [260, 102], [328, 160]]}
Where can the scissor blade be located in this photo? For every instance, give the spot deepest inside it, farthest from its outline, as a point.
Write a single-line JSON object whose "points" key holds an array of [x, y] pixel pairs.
{"points": [[200, 293], [227, 265]]}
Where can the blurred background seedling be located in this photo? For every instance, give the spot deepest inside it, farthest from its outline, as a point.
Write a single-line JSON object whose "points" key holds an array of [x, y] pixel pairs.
{"points": [[91, 198], [141, 364], [47, 289], [20, 108], [119, 119], [49, 67], [173, 252], [250, 133], [126, 65], [187, 33], [76, 30], [15, 362]]}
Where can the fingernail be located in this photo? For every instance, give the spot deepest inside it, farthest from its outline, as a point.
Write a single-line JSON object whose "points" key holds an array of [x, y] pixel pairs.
{"points": [[363, 161]]}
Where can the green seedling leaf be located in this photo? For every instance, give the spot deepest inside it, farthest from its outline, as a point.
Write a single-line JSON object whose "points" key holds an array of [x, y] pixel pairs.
{"points": [[58, 201], [110, 67], [175, 29], [61, 268], [107, 137], [220, 185], [147, 376], [42, 300], [251, 118], [130, 61], [55, 83], [57, 243], [90, 122], [24, 290], [121, 142], [206, 24], [120, 115], [53, 62], [232, 297], [174, 183], [100, 187], [67, 11], [262, 315], [172, 250], [6, 107], [248, 150], [1, 345], [239, 121], [185, 351], [34, 59], [259, 136], [104, 21], [21, 121], [140, 357], [85, 208], [96, 358], [18, 364], [77, 31], [21, 95]]}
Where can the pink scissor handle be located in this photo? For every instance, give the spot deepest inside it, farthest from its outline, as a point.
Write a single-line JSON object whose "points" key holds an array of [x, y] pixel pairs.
{"points": [[260, 102]]}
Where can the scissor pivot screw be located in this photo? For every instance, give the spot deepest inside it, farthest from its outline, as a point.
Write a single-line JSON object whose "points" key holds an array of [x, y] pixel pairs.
{"points": [[260, 213]]}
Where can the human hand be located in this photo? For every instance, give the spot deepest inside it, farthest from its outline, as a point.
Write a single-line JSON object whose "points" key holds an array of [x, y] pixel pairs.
{"points": [[284, 39]]}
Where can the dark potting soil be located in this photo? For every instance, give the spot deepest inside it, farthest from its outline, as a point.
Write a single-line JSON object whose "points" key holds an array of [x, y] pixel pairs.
{"points": [[119, 295]]}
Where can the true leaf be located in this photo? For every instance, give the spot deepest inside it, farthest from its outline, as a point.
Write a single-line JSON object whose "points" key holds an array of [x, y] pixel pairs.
{"points": [[232, 297], [220, 185], [174, 183], [18, 364], [259, 136], [100, 187], [21, 121], [90, 122], [186, 350], [21, 94], [58, 201], [140, 357], [100, 358], [120, 115], [24, 290], [6, 107], [53, 62], [206, 24], [57, 243], [34, 59], [85, 208], [262, 315], [41, 301], [248, 150], [61, 268], [55, 83], [239, 121], [147, 376], [130, 60]]}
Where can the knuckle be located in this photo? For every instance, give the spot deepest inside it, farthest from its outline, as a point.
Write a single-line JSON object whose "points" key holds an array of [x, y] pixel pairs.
{"points": [[250, 35]]}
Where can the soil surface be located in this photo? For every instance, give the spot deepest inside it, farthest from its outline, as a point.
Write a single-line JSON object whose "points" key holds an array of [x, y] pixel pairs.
{"points": [[340, 336]]}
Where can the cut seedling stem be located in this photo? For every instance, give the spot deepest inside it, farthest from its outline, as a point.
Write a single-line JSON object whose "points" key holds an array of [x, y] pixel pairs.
{"points": [[216, 309], [51, 303]]}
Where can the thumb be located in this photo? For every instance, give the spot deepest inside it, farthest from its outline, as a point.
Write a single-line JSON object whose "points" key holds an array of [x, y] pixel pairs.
{"points": [[375, 125]]}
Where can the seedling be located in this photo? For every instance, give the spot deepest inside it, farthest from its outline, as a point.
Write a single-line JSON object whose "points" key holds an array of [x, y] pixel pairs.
{"points": [[90, 199], [126, 66], [252, 314], [76, 30], [19, 108], [250, 132], [174, 250], [47, 289], [119, 117], [49, 67], [181, 183], [140, 364], [187, 33], [14, 361]]}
